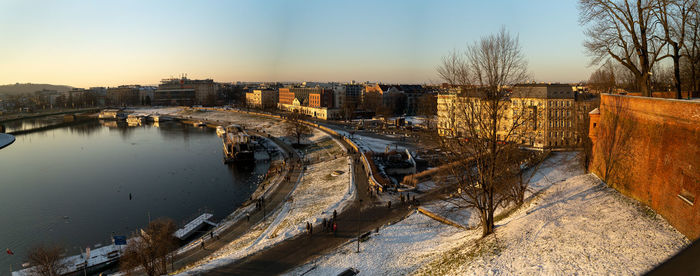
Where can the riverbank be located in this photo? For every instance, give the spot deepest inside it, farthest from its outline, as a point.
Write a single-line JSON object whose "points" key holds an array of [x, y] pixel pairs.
{"points": [[324, 186]]}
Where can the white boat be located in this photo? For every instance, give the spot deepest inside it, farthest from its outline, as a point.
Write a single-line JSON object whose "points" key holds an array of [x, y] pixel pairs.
{"points": [[220, 131], [134, 120], [160, 118], [112, 114]]}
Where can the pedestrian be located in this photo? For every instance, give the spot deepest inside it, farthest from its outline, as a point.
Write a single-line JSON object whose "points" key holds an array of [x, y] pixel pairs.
{"points": [[247, 217], [324, 224], [335, 215], [388, 204], [335, 229], [211, 235], [311, 229], [202, 244]]}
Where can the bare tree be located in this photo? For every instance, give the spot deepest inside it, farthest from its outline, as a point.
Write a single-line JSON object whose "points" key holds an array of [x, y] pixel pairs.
{"points": [[427, 107], [348, 108], [603, 79], [46, 260], [151, 249], [625, 31], [296, 127], [481, 160], [526, 164], [673, 16], [692, 49]]}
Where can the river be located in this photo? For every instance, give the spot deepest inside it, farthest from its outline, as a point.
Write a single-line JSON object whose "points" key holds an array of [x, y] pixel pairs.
{"points": [[71, 186]]}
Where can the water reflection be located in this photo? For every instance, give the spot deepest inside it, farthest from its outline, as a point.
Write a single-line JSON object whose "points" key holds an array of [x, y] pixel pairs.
{"points": [[71, 185]]}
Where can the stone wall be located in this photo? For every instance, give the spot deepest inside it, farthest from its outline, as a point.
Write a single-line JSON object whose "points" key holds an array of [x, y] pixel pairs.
{"points": [[649, 149]]}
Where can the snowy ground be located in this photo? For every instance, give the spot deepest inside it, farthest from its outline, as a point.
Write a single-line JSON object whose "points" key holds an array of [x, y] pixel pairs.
{"points": [[575, 225], [325, 186], [396, 250], [579, 226], [558, 167], [375, 144]]}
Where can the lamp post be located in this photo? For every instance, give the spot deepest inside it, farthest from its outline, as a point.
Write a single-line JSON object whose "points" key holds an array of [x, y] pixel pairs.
{"points": [[358, 226]]}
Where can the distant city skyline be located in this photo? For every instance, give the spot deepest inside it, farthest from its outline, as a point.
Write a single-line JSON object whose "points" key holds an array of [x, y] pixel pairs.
{"points": [[111, 43]]}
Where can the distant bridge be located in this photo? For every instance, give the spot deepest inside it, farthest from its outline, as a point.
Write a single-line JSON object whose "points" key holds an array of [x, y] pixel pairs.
{"points": [[38, 115]]}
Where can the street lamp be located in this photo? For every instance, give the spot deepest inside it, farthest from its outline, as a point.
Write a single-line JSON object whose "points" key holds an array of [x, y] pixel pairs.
{"points": [[358, 226]]}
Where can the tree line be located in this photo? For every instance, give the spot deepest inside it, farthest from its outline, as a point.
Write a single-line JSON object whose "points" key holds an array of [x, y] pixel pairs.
{"points": [[632, 38]]}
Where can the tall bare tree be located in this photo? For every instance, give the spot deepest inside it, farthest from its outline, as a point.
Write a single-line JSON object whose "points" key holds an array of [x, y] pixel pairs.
{"points": [[296, 127], [673, 16], [625, 31], [150, 249], [692, 49], [603, 79], [427, 107], [482, 163], [614, 134], [46, 260]]}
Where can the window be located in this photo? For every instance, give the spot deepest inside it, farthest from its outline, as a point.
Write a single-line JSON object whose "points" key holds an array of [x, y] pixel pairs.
{"points": [[687, 193]]}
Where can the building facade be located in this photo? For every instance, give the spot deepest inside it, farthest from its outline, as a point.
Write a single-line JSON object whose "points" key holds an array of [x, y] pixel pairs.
{"points": [[205, 90], [262, 98], [123, 95], [540, 115]]}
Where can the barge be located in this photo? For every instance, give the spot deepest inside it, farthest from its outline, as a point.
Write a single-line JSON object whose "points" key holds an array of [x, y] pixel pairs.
{"points": [[238, 146]]}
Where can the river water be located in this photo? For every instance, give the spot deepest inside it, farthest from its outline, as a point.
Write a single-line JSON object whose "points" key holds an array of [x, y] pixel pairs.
{"points": [[71, 186]]}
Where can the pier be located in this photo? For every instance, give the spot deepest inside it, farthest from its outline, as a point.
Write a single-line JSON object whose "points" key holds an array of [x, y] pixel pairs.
{"points": [[194, 225]]}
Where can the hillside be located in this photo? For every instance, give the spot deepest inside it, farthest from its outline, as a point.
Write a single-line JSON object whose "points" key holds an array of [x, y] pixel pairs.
{"points": [[20, 88]]}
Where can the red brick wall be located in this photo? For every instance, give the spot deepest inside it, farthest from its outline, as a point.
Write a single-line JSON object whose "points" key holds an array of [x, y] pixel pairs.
{"points": [[666, 94], [649, 149]]}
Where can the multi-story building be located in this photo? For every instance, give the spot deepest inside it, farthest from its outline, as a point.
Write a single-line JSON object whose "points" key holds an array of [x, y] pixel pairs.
{"points": [[262, 98], [324, 97], [321, 98], [123, 95], [541, 115], [205, 90], [316, 101], [185, 97]]}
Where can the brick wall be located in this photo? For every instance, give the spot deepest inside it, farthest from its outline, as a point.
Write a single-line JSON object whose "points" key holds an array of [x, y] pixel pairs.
{"points": [[649, 149]]}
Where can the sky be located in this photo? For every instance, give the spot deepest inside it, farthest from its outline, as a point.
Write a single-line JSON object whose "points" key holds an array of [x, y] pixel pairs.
{"points": [[110, 43]]}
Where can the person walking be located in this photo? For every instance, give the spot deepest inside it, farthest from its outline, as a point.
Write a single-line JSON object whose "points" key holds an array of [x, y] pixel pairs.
{"points": [[335, 215]]}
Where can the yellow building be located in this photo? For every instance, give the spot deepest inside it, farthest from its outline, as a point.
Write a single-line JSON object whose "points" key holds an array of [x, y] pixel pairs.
{"points": [[540, 115], [264, 99]]}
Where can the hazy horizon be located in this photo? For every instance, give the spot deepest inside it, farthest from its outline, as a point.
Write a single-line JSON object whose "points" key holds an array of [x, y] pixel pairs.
{"points": [[110, 43]]}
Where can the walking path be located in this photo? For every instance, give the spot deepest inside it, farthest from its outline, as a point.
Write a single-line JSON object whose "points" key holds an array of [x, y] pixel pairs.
{"points": [[362, 216], [274, 200]]}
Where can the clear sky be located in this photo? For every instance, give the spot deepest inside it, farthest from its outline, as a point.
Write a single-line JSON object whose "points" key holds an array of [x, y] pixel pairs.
{"points": [[108, 43]]}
